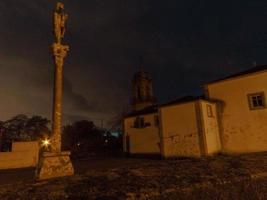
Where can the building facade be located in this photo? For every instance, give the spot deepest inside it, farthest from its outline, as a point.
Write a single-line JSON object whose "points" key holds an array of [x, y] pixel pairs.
{"points": [[142, 134], [230, 118], [243, 113], [189, 128]]}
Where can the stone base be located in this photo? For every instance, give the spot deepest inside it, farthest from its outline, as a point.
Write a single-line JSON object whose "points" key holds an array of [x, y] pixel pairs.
{"points": [[54, 165]]}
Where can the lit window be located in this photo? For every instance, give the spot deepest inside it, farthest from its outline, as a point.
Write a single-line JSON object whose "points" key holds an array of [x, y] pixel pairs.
{"points": [[256, 101], [209, 111]]}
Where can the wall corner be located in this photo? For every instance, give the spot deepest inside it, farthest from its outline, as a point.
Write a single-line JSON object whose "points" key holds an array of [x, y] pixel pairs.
{"points": [[201, 129]]}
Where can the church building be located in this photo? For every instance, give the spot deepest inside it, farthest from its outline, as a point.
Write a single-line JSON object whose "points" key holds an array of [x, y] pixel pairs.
{"points": [[231, 117], [141, 126]]}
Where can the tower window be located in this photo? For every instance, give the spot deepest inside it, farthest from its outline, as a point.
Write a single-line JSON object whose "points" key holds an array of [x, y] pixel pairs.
{"points": [[209, 111], [139, 122], [156, 120], [256, 101]]}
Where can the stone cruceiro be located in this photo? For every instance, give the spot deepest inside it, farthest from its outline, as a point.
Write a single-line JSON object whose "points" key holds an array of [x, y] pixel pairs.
{"points": [[56, 163]]}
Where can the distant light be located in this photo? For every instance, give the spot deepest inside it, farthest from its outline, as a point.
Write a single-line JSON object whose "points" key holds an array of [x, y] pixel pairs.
{"points": [[106, 141], [46, 142], [78, 144]]}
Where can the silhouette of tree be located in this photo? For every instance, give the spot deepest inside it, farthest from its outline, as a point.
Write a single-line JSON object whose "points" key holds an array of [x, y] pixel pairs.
{"points": [[80, 135], [83, 138], [23, 128]]}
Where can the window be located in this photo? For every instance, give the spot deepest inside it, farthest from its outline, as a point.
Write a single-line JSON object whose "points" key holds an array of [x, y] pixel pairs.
{"points": [[256, 101], [147, 124], [156, 120], [139, 122], [209, 111]]}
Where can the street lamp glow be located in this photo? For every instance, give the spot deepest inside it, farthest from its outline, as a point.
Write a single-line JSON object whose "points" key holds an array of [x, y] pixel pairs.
{"points": [[46, 142]]}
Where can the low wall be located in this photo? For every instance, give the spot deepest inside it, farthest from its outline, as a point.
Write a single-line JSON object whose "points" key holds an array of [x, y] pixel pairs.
{"points": [[24, 154]]}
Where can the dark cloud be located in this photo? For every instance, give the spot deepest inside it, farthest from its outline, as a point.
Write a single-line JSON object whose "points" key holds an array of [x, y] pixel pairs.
{"points": [[184, 43], [77, 101]]}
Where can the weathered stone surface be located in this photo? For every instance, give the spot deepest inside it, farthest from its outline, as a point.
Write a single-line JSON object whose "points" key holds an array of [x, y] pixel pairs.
{"points": [[59, 52], [55, 165]]}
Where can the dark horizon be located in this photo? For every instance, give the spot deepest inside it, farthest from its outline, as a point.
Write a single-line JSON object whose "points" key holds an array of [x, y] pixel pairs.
{"points": [[184, 44]]}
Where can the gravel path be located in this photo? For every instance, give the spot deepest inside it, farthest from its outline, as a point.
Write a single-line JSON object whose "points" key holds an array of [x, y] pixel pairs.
{"points": [[220, 177]]}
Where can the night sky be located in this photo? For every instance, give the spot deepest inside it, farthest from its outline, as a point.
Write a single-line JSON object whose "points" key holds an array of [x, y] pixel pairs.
{"points": [[185, 43]]}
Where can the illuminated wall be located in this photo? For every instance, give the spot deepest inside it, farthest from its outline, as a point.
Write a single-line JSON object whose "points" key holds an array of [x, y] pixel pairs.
{"points": [[179, 130], [210, 127], [24, 154], [185, 130], [190, 129], [242, 129], [142, 140]]}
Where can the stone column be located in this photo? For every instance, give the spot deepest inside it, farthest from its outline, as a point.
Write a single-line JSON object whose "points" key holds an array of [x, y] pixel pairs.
{"points": [[56, 163], [59, 53]]}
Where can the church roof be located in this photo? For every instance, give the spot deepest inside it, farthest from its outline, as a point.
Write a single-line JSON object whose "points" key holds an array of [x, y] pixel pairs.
{"points": [[154, 108], [252, 70], [183, 99]]}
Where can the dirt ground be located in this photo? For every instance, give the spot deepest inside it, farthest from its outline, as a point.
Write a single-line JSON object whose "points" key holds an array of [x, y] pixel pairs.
{"points": [[81, 166], [220, 177]]}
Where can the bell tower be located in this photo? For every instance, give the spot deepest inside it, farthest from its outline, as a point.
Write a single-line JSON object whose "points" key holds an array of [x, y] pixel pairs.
{"points": [[142, 91]]}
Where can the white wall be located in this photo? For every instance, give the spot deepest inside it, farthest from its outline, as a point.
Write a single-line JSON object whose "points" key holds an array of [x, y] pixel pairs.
{"points": [[142, 140], [243, 130], [180, 130], [210, 127]]}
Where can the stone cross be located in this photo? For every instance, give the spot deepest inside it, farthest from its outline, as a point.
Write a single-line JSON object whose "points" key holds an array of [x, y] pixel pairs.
{"points": [[57, 163], [59, 52]]}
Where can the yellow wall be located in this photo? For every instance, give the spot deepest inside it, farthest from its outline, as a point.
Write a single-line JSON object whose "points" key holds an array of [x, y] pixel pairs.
{"points": [[243, 130], [179, 130], [24, 154], [210, 127], [142, 140], [25, 146]]}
